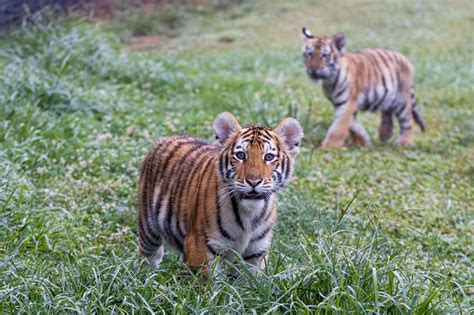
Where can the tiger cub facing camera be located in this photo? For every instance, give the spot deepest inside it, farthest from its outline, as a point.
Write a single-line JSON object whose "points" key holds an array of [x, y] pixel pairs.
{"points": [[365, 80], [206, 200]]}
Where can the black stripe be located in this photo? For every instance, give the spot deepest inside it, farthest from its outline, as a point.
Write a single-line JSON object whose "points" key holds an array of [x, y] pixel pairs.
{"points": [[384, 94], [174, 169], [145, 175], [383, 55], [279, 178], [226, 165], [265, 137], [394, 75], [147, 229], [335, 81], [374, 62], [154, 240], [399, 110], [146, 251], [247, 138], [257, 220], [198, 199], [175, 193], [147, 241], [182, 185], [163, 169], [235, 208], [204, 173], [147, 197], [336, 105], [255, 255], [400, 84], [219, 219], [228, 173], [198, 187], [262, 235], [267, 133], [283, 168], [211, 249], [149, 244], [374, 105], [378, 72], [341, 91], [365, 103], [269, 213], [247, 134], [287, 171], [221, 166]]}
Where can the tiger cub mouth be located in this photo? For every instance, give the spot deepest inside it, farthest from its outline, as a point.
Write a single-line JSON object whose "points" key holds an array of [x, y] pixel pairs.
{"points": [[253, 195]]}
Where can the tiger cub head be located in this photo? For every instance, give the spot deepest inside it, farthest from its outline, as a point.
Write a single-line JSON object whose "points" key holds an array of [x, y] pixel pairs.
{"points": [[321, 54], [256, 161]]}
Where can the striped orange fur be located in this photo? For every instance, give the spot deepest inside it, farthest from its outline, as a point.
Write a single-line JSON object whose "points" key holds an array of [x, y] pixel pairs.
{"points": [[365, 80], [206, 200]]}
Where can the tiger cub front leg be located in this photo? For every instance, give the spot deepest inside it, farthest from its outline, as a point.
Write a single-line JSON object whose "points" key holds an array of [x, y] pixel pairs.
{"points": [[404, 116], [256, 264], [196, 253], [340, 126]]}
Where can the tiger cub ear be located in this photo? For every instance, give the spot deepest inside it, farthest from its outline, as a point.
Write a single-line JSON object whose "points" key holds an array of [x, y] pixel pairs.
{"points": [[339, 41], [224, 125], [291, 133], [305, 34]]}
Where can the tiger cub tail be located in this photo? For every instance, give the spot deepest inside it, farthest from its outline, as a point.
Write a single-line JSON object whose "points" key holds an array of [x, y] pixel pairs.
{"points": [[416, 114]]}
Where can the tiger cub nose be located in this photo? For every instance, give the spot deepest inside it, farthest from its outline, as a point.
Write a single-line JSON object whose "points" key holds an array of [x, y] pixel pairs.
{"points": [[253, 181]]}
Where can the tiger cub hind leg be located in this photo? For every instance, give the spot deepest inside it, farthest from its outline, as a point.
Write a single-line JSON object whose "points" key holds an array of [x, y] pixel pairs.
{"points": [[404, 117], [386, 126], [156, 259], [151, 247]]}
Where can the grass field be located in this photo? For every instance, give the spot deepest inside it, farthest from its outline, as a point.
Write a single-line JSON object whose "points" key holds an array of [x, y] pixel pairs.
{"points": [[361, 230]]}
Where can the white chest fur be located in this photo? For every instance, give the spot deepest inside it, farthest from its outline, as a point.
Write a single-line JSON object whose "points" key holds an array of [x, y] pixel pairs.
{"points": [[244, 225]]}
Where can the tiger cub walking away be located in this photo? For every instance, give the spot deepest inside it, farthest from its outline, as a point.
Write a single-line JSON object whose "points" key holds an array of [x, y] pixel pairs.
{"points": [[206, 200], [369, 79]]}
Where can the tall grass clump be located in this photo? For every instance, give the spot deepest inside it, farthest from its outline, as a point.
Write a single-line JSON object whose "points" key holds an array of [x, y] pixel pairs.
{"points": [[67, 66], [52, 65]]}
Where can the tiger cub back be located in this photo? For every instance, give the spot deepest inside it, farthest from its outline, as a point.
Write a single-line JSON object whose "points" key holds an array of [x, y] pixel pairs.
{"points": [[206, 200], [365, 80]]}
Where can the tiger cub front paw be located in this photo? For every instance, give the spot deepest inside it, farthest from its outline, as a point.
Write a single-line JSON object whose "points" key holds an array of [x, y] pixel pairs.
{"points": [[332, 144]]}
